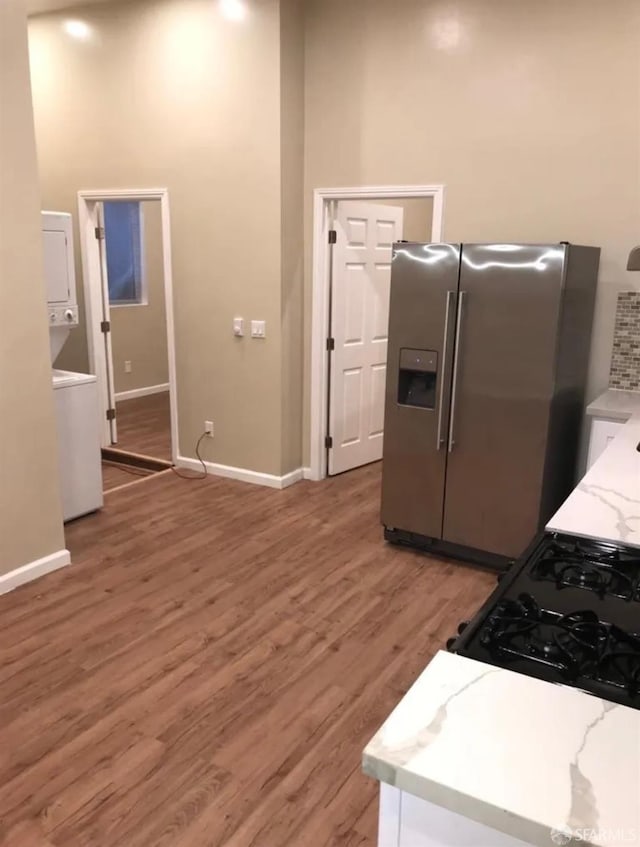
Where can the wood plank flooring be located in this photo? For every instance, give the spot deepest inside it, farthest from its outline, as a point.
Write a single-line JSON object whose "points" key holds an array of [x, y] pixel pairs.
{"points": [[208, 670], [144, 425], [113, 475]]}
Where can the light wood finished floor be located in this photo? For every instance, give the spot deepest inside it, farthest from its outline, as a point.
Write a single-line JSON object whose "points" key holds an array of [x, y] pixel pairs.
{"points": [[144, 426], [209, 669]]}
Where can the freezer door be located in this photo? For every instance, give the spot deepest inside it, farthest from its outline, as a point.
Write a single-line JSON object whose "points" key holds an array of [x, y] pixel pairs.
{"points": [[424, 285], [510, 298]]}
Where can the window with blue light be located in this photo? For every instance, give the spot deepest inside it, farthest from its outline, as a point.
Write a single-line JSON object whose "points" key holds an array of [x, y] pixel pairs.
{"points": [[123, 245]]}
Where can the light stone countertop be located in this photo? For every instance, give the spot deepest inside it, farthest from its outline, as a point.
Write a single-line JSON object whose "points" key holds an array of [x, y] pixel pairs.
{"points": [[522, 756], [517, 754], [615, 404], [606, 504]]}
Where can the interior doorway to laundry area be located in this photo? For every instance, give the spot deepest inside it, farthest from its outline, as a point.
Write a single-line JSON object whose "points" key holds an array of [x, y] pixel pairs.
{"points": [[127, 272], [354, 233]]}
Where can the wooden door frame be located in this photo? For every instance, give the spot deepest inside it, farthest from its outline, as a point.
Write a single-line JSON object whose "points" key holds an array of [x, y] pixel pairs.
{"points": [[88, 201], [322, 199]]}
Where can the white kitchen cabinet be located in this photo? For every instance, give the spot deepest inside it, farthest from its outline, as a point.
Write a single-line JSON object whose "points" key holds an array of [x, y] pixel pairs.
{"points": [[603, 431], [408, 821]]}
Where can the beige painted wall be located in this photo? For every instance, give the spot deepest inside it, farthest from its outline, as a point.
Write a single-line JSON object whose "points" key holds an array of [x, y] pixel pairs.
{"points": [[168, 93], [139, 333], [417, 218], [292, 186], [528, 112], [30, 512]]}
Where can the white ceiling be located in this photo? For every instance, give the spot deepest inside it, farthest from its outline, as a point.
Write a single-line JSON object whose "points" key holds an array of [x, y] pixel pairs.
{"points": [[35, 7]]}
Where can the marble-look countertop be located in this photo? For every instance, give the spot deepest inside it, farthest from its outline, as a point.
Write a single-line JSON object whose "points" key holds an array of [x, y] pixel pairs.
{"points": [[615, 404], [522, 756], [606, 503]]}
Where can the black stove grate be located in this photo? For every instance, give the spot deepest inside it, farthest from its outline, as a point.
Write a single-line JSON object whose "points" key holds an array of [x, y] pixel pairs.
{"points": [[606, 571], [579, 647]]}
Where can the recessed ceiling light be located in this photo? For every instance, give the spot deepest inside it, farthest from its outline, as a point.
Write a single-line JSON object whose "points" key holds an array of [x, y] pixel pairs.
{"points": [[77, 29], [234, 10]]}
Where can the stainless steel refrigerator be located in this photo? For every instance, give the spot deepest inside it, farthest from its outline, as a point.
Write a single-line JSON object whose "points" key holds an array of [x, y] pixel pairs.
{"points": [[487, 363]]}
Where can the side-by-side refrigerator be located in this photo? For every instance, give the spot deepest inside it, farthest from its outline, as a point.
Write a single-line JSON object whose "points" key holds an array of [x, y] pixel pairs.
{"points": [[487, 364]]}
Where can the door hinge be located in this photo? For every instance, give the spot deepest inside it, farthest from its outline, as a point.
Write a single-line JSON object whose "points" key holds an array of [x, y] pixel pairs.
{"points": [[331, 344], [328, 442], [333, 236], [105, 326], [111, 414], [99, 232]]}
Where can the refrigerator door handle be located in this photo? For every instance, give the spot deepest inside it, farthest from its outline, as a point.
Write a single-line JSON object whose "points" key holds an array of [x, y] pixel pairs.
{"points": [[456, 359], [445, 340]]}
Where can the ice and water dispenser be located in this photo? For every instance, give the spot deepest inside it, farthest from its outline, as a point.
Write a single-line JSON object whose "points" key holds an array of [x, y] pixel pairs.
{"points": [[417, 378]]}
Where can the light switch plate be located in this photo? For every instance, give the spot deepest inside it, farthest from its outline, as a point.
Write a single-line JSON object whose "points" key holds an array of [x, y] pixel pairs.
{"points": [[258, 329], [238, 327]]}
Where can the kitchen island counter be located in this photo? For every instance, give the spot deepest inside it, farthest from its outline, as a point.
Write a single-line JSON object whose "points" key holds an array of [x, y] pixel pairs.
{"points": [[503, 759], [481, 756]]}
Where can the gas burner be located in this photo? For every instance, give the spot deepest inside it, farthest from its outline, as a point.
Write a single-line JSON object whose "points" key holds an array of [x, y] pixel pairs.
{"points": [[621, 667], [608, 572], [566, 612], [578, 646]]}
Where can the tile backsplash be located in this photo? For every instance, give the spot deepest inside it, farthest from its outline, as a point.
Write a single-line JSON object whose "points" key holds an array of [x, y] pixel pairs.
{"points": [[625, 361]]}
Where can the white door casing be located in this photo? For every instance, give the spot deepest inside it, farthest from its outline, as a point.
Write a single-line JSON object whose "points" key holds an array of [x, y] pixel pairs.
{"points": [[88, 207], [361, 278], [323, 200], [106, 317]]}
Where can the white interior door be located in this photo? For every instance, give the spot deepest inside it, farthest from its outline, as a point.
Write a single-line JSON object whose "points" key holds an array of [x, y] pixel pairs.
{"points": [[106, 322], [360, 288]]}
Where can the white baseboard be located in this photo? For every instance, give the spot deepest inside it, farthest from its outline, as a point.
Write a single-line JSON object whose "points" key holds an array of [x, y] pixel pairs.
{"points": [[33, 570], [307, 473], [292, 477], [141, 392], [242, 474]]}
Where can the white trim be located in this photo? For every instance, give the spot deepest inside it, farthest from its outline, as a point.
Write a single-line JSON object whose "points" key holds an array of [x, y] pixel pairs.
{"points": [[242, 474], [291, 478], [34, 570], [142, 392], [87, 212], [320, 293]]}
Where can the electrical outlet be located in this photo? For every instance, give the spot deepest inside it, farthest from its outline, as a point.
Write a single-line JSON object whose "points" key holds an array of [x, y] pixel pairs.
{"points": [[258, 329], [127, 367], [208, 428]]}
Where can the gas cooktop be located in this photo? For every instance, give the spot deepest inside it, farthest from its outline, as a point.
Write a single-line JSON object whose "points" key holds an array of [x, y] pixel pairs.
{"points": [[606, 570], [568, 611]]}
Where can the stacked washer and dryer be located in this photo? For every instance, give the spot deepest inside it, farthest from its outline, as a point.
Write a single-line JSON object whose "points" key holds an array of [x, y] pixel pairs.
{"points": [[76, 394]]}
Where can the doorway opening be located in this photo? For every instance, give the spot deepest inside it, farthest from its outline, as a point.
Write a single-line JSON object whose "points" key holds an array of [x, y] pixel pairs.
{"points": [[126, 259], [354, 230]]}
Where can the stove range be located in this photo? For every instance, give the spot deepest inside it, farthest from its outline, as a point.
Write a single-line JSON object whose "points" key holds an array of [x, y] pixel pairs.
{"points": [[604, 569], [568, 611]]}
